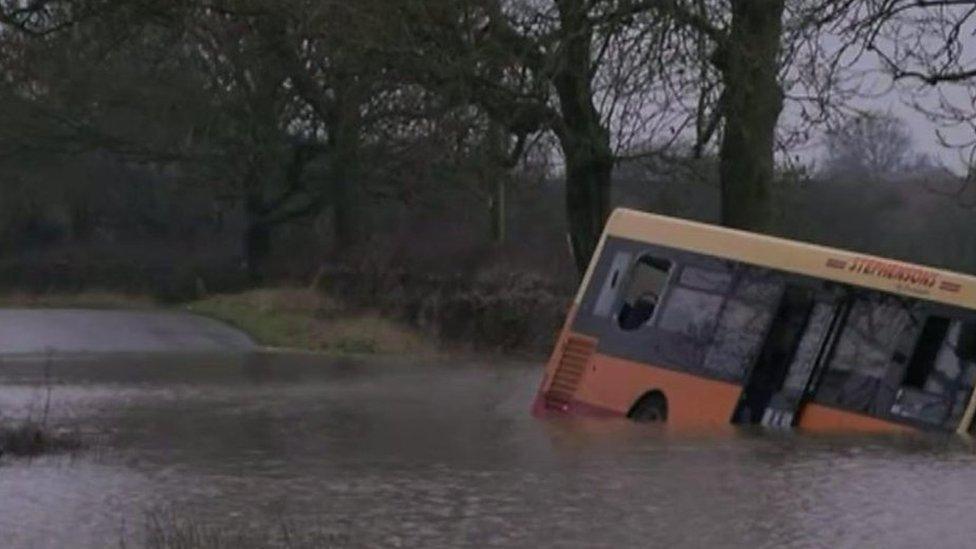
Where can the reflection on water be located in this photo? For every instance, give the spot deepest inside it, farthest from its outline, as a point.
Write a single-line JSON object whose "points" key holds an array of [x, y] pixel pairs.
{"points": [[422, 455]]}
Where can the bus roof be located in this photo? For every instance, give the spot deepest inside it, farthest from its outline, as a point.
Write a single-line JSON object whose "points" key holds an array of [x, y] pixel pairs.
{"points": [[797, 257]]}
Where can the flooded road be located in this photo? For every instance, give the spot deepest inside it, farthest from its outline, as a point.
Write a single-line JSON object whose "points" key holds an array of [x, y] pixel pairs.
{"points": [[271, 449]]}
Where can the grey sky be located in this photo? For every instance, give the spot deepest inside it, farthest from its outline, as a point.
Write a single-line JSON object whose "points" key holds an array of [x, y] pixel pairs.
{"points": [[881, 95]]}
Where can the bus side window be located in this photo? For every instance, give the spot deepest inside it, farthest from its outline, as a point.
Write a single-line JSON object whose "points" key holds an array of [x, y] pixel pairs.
{"points": [[613, 281], [694, 301], [743, 324], [954, 371], [939, 377], [966, 345], [867, 350], [646, 283], [927, 349], [965, 351]]}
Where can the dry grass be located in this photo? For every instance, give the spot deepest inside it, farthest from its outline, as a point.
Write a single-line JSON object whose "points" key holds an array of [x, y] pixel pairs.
{"points": [[368, 333], [33, 439], [306, 319], [169, 530], [281, 300], [84, 300]]}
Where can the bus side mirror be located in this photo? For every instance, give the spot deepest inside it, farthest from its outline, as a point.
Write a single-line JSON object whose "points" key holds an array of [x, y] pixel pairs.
{"points": [[966, 346]]}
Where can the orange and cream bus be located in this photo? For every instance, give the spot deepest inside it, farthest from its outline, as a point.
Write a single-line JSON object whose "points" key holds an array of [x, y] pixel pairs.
{"points": [[699, 325]]}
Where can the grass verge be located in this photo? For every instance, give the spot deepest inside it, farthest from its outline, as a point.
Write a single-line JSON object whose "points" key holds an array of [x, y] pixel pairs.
{"points": [[305, 319]]}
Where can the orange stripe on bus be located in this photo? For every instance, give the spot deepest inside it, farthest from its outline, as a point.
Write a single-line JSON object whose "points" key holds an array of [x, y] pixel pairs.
{"points": [[693, 402], [817, 417]]}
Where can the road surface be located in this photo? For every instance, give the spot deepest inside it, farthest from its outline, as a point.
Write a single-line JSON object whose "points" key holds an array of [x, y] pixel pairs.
{"points": [[66, 331]]}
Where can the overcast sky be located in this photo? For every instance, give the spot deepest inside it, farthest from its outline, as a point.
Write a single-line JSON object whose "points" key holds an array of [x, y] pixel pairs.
{"points": [[898, 100]]}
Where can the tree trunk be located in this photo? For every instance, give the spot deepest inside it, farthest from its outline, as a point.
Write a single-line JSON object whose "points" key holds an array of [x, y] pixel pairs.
{"points": [[588, 174], [584, 140], [497, 210], [348, 215], [82, 220], [494, 173], [257, 241], [752, 103]]}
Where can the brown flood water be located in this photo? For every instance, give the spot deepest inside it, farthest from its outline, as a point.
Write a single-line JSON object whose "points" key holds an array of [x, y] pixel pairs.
{"points": [[372, 453]]}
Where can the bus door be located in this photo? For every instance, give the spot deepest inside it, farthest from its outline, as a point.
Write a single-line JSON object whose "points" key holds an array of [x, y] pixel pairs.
{"points": [[789, 359]]}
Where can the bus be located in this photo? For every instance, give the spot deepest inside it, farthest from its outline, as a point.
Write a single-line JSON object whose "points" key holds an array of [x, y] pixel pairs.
{"points": [[698, 325]]}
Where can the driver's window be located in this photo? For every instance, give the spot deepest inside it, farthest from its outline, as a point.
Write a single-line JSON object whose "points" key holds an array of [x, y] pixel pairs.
{"points": [[645, 285]]}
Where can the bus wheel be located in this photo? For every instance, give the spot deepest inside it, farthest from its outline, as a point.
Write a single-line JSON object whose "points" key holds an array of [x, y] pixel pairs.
{"points": [[650, 408]]}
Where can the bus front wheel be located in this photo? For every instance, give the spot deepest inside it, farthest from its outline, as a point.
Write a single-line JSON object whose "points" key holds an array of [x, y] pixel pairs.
{"points": [[650, 408]]}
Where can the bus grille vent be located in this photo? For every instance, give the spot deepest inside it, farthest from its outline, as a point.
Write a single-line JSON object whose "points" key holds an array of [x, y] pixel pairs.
{"points": [[570, 371]]}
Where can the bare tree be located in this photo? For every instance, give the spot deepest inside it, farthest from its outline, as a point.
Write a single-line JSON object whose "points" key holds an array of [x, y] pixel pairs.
{"points": [[874, 145], [569, 67], [751, 48], [923, 52]]}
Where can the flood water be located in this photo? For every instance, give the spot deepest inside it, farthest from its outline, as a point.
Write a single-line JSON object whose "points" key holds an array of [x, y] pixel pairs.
{"points": [[361, 453]]}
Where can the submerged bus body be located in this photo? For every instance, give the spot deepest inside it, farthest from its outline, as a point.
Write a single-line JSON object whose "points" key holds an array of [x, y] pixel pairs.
{"points": [[698, 325]]}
